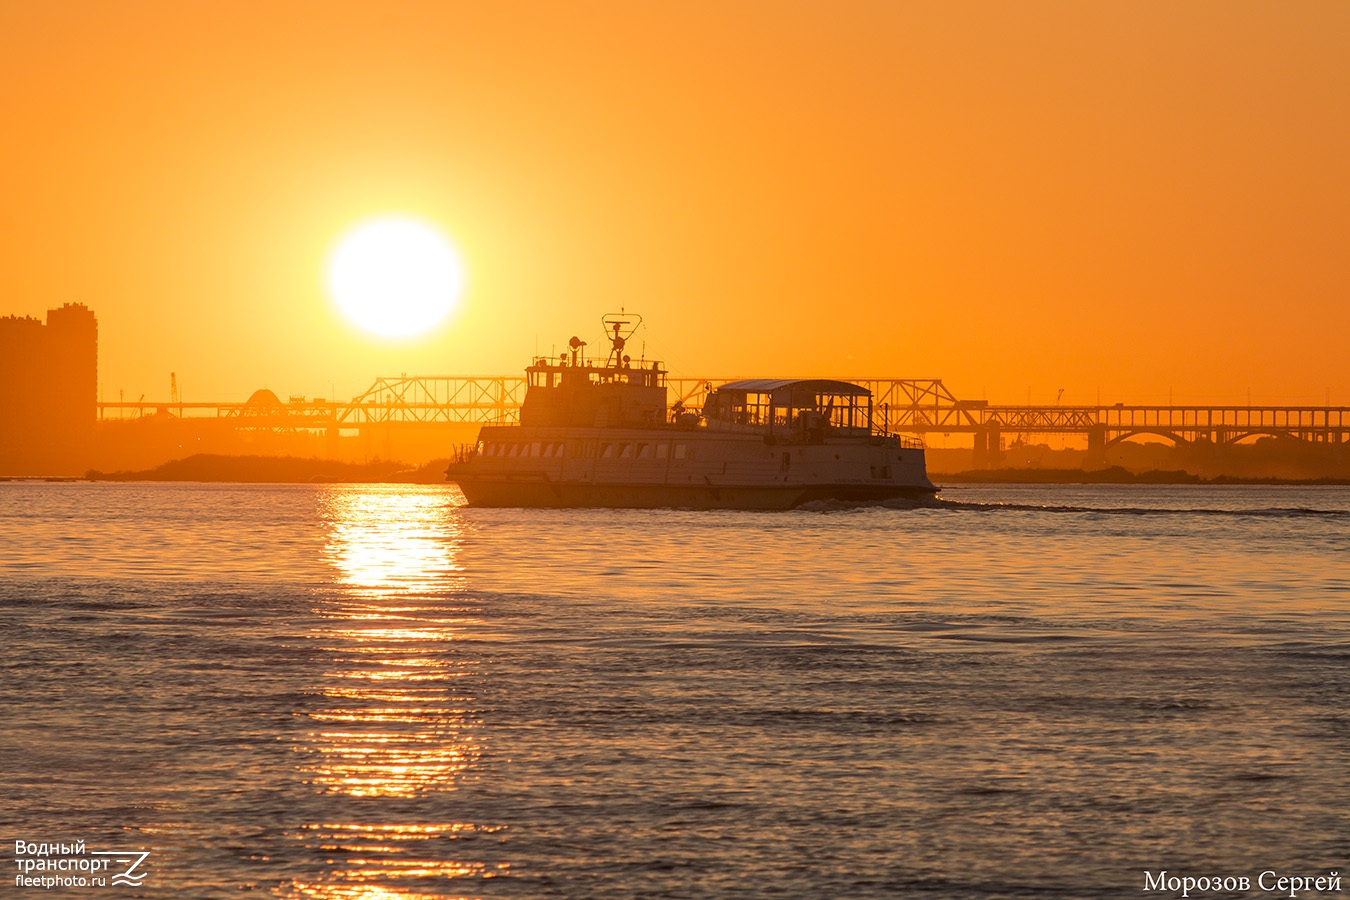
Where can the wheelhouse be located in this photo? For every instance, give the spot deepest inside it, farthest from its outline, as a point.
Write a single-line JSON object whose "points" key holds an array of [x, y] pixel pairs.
{"points": [[570, 390]]}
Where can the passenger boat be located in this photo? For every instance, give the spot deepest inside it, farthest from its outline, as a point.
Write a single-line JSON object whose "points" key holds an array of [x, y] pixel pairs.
{"points": [[604, 435]]}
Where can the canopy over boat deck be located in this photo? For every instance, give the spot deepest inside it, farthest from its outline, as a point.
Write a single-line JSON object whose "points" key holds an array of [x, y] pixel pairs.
{"points": [[809, 406]]}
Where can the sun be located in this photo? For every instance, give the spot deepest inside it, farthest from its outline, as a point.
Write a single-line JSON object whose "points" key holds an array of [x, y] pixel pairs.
{"points": [[395, 276]]}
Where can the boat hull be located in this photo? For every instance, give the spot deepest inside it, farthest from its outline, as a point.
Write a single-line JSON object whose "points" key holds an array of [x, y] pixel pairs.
{"points": [[519, 492], [683, 468]]}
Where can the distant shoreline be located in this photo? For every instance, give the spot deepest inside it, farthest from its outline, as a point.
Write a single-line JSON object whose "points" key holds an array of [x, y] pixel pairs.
{"points": [[212, 468]]}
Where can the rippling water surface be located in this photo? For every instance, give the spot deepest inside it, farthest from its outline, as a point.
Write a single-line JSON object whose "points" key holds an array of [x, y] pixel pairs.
{"points": [[375, 692]]}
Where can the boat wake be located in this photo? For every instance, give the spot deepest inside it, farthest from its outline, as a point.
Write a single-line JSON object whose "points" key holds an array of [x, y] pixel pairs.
{"points": [[967, 506], [1274, 512], [894, 503]]}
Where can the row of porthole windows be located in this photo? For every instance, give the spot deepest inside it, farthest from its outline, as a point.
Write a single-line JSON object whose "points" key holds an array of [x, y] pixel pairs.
{"points": [[638, 450], [604, 449], [529, 448]]}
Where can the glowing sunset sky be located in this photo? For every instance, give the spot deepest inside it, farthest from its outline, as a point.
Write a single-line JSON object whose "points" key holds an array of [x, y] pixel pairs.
{"points": [[1128, 197]]}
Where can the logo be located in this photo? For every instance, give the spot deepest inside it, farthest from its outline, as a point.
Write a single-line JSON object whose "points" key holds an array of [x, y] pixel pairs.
{"points": [[129, 858], [57, 864]]}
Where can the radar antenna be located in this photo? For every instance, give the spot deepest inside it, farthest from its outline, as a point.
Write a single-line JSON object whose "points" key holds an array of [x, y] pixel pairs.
{"points": [[619, 327]]}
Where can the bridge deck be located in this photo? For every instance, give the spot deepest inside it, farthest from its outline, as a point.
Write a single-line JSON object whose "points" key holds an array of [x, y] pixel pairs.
{"points": [[908, 405]]}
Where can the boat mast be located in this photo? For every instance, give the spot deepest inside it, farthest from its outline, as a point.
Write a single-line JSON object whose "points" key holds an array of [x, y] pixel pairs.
{"points": [[615, 322]]}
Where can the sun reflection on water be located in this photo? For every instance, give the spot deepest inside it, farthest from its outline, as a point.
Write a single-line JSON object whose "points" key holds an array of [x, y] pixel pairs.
{"points": [[375, 866], [396, 722], [392, 541]]}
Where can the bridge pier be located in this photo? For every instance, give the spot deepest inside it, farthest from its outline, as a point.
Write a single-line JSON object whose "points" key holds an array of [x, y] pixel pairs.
{"points": [[988, 449], [1096, 447]]}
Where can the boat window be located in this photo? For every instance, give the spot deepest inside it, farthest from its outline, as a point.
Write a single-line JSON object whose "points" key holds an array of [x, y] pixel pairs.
{"points": [[515, 450], [846, 412], [606, 451], [625, 451], [536, 449], [644, 451], [757, 408], [662, 451], [680, 451]]}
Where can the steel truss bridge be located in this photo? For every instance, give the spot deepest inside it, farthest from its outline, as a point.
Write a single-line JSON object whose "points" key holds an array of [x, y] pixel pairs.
{"points": [[920, 406]]}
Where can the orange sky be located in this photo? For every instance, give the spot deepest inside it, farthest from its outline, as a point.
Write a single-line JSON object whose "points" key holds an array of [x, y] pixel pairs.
{"points": [[1125, 198]]}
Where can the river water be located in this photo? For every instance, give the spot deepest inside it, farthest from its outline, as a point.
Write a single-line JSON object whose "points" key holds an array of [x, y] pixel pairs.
{"points": [[375, 692]]}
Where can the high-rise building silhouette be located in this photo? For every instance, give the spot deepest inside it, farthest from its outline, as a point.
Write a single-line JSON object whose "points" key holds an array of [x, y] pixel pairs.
{"points": [[48, 392]]}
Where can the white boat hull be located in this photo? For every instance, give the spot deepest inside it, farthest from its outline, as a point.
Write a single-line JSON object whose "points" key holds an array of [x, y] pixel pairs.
{"points": [[669, 467]]}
